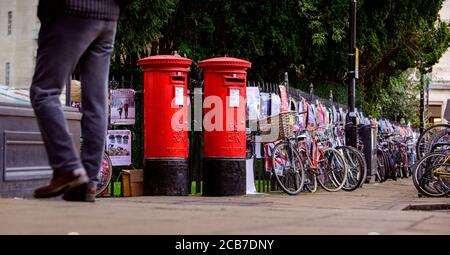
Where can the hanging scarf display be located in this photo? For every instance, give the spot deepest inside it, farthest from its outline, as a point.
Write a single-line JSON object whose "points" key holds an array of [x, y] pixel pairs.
{"points": [[268, 147], [335, 116], [327, 117], [302, 117], [284, 99], [265, 105], [276, 104], [381, 125], [311, 117], [320, 114]]}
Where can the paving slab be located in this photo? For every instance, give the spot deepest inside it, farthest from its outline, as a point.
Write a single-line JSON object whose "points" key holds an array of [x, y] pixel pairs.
{"points": [[374, 208]]}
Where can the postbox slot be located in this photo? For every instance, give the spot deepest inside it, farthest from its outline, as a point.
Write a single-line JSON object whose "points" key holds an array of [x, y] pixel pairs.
{"points": [[178, 79], [235, 80]]}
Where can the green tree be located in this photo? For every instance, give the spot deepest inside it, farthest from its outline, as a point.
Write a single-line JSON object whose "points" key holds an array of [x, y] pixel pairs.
{"points": [[308, 38], [399, 99], [139, 29], [138, 32], [303, 37], [395, 36]]}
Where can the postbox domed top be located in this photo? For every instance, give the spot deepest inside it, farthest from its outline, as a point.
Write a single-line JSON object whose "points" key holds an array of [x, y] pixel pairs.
{"points": [[164, 61], [225, 63]]}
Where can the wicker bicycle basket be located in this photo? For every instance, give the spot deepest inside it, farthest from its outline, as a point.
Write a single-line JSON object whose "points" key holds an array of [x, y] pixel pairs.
{"points": [[283, 122]]}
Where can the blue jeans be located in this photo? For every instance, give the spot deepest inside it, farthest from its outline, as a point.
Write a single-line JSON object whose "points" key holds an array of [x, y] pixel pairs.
{"points": [[63, 43]]}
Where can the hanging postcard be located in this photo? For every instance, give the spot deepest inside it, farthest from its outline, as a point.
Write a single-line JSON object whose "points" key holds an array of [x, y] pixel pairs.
{"points": [[122, 107], [119, 147]]}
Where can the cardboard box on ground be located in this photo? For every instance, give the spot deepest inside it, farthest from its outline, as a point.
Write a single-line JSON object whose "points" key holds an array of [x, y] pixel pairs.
{"points": [[133, 182]]}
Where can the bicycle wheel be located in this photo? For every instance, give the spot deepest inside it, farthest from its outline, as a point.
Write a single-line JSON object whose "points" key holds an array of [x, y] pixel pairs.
{"points": [[392, 168], [424, 178], [332, 170], [104, 175], [435, 182], [356, 167], [428, 137], [399, 165], [405, 165], [381, 166], [310, 177], [288, 169], [364, 163], [441, 138]]}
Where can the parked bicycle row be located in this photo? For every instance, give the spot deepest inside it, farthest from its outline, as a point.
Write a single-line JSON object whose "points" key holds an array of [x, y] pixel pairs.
{"points": [[309, 148], [395, 151]]}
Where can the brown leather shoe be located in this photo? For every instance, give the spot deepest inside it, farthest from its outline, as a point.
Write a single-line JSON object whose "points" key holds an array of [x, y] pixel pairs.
{"points": [[82, 193], [60, 184]]}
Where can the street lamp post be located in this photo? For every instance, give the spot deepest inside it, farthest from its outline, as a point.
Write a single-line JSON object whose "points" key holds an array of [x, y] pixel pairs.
{"points": [[353, 74]]}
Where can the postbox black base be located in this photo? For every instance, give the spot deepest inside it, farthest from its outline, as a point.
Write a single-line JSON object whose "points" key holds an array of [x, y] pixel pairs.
{"points": [[166, 177], [224, 177]]}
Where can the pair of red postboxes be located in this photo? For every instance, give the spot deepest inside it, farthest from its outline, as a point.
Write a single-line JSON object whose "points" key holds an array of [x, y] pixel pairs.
{"points": [[166, 122]]}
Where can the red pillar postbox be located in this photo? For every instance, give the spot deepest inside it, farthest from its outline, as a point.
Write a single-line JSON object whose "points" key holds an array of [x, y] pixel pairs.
{"points": [[165, 125], [224, 123]]}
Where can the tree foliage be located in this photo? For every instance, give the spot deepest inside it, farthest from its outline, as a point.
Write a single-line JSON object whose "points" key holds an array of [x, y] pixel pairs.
{"points": [[394, 37], [308, 38], [138, 32]]}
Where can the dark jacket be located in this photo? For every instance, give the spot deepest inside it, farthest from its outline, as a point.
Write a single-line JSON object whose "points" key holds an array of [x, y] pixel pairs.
{"points": [[93, 9]]}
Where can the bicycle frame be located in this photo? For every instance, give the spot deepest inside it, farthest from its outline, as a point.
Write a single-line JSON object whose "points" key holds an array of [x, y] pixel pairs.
{"points": [[439, 172], [314, 151]]}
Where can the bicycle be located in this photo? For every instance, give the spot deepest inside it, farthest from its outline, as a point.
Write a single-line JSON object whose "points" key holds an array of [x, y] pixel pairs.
{"points": [[354, 158], [324, 165], [431, 176], [288, 167], [382, 165], [105, 174], [357, 169], [286, 163], [432, 135]]}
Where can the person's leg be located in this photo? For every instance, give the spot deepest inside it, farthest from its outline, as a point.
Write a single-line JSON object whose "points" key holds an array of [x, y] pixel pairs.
{"points": [[61, 43], [94, 71]]}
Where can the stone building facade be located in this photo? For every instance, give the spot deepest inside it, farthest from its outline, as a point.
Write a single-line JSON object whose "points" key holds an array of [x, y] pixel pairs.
{"points": [[440, 87], [19, 29]]}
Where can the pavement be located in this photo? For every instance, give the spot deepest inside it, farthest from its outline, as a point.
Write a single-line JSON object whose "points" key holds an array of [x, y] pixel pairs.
{"points": [[373, 209]]}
